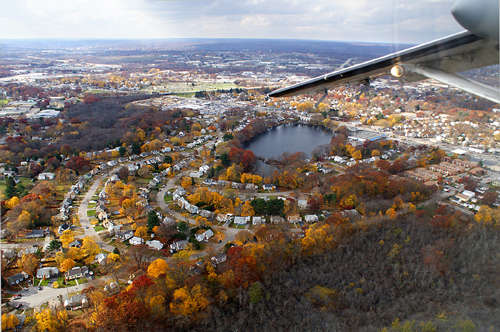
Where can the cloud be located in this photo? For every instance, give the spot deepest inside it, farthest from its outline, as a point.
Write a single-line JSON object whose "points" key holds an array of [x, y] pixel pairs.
{"points": [[361, 20]]}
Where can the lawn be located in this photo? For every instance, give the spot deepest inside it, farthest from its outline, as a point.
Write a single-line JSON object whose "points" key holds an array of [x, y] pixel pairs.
{"points": [[90, 213], [45, 282], [27, 183], [92, 205], [168, 198], [99, 228], [2, 189]]}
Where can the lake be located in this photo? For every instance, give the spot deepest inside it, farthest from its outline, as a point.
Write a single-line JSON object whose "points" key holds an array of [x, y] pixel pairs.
{"points": [[287, 138]]}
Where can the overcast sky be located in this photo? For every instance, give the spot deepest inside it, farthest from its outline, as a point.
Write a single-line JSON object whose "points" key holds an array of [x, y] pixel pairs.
{"points": [[397, 21]]}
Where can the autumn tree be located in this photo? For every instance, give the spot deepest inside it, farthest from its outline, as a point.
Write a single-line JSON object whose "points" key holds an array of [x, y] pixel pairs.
{"points": [[89, 249], [141, 231], [187, 302], [67, 265], [123, 173], [9, 321], [49, 320], [29, 264], [157, 268], [66, 238], [247, 209]]}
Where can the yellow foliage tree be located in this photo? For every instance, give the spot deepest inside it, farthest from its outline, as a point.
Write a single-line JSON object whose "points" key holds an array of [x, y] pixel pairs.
{"points": [[90, 249], [49, 321], [186, 182], [487, 215], [157, 268], [141, 231], [66, 238], [75, 253], [247, 209], [24, 218], [157, 305], [12, 202], [9, 321], [189, 302], [391, 213], [67, 265], [357, 155]]}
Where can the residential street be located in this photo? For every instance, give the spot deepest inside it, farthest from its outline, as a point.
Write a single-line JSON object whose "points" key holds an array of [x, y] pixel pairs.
{"points": [[88, 229]]}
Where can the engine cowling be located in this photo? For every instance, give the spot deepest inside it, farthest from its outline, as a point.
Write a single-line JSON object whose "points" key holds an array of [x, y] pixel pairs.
{"points": [[478, 16]]}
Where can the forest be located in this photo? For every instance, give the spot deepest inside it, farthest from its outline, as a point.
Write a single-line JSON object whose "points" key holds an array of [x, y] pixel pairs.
{"points": [[340, 276]]}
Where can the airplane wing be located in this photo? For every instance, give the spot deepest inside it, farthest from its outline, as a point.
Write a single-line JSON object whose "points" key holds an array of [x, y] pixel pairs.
{"points": [[440, 59]]}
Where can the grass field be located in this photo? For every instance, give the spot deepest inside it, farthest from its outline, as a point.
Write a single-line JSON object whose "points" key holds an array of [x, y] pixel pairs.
{"points": [[90, 213]]}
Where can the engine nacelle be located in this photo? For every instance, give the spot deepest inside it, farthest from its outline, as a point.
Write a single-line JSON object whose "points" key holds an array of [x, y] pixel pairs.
{"points": [[478, 16]]}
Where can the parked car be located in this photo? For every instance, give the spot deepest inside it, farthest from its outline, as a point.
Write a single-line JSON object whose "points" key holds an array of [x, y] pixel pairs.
{"points": [[16, 297]]}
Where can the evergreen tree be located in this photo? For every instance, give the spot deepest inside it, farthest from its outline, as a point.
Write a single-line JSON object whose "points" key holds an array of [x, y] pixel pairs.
{"points": [[10, 190], [153, 220]]}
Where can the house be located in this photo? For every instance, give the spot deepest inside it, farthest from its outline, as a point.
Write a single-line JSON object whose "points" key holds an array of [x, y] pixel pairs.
{"points": [[178, 245], [220, 258], [47, 272], [154, 244], [193, 209], [17, 278], [46, 176], [268, 187], [258, 220], [294, 219], [124, 235], [310, 218], [206, 214], [62, 228], [112, 288], [135, 241], [36, 233], [168, 221], [302, 203], [277, 220], [100, 258], [241, 220], [75, 244], [204, 235], [353, 215], [75, 302], [77, 272], [223, 218], [251, 186]]}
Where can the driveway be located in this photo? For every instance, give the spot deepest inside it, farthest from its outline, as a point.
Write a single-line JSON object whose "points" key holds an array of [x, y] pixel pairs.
{"points": [[35, 298]]}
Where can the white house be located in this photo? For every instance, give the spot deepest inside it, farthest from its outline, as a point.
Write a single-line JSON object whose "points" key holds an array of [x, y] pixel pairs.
{"points": [[258, 220], [302, 203], [310, 218], [241, 220], [154, 244], [46, 176], [178, 245], [204, 235], [100, 258], [136, 241]]}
